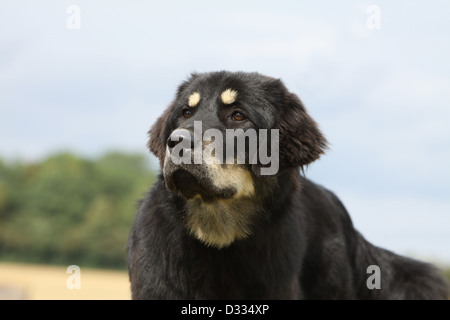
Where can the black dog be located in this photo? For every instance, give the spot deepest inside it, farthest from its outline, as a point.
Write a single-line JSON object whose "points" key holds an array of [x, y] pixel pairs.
{"points": [[214, 229]]}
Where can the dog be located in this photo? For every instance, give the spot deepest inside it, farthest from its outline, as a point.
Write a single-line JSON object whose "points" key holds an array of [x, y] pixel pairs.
{"points": [[213, 227]]}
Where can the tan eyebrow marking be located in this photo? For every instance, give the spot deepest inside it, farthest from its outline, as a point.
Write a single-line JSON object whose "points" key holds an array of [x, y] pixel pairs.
{"points": [[228, 96], [194, 99]]}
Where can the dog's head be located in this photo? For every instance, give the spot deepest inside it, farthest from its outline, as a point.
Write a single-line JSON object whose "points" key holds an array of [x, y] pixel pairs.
{"points": [[226, 111], [225, 133]]}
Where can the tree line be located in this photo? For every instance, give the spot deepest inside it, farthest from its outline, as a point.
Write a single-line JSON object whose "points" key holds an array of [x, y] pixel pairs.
{"points": [[71, 210], [66, 209]]}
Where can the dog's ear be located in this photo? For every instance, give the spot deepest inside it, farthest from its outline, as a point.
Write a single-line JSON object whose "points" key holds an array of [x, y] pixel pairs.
{"points": [[161, 129], [158, 135], [301, 141]]}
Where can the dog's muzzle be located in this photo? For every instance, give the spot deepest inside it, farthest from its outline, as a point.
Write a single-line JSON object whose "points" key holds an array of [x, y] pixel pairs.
{"points": [[186, 174]]}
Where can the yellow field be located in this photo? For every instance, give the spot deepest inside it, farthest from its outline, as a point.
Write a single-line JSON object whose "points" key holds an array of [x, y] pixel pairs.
{"points": [[26, 281]]}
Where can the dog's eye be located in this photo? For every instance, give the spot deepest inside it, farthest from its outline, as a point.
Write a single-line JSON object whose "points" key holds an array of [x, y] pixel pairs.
{"points": [[238, 116], [187, 113]]}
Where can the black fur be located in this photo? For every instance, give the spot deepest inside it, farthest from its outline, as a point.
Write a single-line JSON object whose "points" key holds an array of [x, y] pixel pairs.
{"points": [[303, 244]]}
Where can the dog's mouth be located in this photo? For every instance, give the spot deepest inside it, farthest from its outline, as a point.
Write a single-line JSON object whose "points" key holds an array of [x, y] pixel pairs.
{"points": [[190, 184]]}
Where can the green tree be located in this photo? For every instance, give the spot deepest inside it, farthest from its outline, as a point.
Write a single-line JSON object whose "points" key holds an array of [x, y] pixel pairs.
{"points": [[68, 209]]}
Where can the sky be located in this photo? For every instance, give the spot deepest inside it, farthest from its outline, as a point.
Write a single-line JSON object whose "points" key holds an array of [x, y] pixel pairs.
{"points": [[373, 74]]}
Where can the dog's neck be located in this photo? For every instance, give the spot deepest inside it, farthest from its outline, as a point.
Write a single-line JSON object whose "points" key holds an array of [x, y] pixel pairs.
{"points": [[220, 222]]}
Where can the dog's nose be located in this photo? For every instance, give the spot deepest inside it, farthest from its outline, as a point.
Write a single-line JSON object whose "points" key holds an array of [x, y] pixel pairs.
{"points": [[181, 136]]}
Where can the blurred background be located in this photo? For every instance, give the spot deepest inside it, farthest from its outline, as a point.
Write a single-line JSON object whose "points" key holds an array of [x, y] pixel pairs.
{"points": [[81, 82]]}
